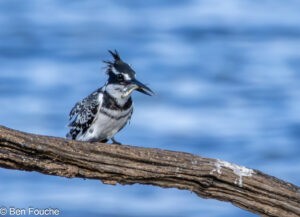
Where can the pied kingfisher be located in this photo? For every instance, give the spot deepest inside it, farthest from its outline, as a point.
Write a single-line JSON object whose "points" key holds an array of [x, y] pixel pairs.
{"points": [[103, 113]]}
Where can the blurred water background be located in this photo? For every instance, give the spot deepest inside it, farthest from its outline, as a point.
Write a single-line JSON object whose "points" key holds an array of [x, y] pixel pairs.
{"points": [[226, 74]]}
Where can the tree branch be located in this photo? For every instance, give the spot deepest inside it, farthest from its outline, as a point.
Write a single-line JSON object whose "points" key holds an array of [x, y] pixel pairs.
{"points": [[208, 178]]}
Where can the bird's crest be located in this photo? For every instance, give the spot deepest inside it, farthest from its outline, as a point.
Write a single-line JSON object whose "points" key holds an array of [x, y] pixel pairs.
{"points": [[116, 56], [118, 66]]}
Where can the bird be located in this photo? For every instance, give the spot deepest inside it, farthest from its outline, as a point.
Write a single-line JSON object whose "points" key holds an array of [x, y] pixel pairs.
{"points": [[107, 110]]}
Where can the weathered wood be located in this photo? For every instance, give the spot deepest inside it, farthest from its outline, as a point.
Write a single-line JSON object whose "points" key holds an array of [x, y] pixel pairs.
{"points": [[209, 178]]}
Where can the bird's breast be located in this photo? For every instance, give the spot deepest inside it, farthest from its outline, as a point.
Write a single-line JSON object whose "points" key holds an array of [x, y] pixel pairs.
{"points": [[115, 114], [108, 122]]}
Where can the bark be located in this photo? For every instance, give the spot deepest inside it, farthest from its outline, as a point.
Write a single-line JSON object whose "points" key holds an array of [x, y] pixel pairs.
{"points": [[248, 189]]}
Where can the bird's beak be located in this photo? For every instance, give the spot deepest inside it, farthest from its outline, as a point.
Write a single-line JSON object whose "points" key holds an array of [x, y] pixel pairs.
{"points": [[142, 88], [139, 86]]}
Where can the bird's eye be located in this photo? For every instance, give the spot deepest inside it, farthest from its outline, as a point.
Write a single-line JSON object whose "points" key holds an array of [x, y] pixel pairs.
{"points": [[120, 77]]}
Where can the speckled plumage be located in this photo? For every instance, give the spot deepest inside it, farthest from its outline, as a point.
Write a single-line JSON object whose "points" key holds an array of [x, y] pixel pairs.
{"points": [[83, 114]]}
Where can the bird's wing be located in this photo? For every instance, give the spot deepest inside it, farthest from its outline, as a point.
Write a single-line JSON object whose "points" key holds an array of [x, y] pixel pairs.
{"points": [[83, 114]]}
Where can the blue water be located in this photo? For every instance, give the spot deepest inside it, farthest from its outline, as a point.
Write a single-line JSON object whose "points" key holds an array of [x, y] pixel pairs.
{"points": [[226, 76]]}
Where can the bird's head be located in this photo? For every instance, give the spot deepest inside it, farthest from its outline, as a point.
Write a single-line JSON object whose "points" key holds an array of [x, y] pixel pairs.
{"points": [[122, 79]]}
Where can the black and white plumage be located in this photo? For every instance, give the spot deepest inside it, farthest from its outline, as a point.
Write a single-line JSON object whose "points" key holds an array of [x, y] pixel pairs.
{"points": [[103, 113]]}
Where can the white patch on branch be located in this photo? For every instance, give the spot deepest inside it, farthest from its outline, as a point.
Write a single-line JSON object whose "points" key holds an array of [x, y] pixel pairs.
{"points": [[240, 171]]}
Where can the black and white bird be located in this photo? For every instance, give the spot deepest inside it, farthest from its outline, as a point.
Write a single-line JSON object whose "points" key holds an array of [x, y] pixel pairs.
{"points": [[103, 113]]}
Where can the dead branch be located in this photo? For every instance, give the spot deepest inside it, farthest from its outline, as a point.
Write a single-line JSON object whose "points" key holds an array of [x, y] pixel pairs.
{"points": [[208, 178]]}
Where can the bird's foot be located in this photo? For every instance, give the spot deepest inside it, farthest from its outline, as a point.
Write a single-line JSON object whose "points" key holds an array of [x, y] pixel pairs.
{"points": [[115, 141]]}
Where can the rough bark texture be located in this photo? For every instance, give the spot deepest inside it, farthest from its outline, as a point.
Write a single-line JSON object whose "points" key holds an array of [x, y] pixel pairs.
{"points": [[209, 178]]}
